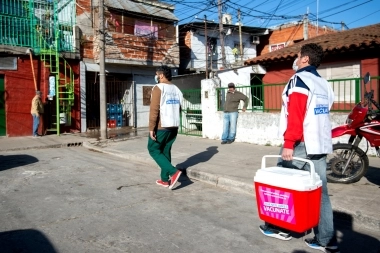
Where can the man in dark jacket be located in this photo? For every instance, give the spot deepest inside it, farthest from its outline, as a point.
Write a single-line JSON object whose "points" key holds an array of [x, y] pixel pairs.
{"points": [[230, 117]]}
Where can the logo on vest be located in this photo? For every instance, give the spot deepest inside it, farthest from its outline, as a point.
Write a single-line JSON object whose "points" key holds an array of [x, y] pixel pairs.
{"points": [[321, 109], [172, 101]]}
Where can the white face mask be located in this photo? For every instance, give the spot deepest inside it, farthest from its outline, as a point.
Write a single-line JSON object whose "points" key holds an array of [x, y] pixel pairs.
{"points": [[295, 67], [156, 79]]}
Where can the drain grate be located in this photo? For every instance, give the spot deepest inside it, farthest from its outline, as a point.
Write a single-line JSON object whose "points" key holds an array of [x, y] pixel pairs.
{"points": [[73, 144]]}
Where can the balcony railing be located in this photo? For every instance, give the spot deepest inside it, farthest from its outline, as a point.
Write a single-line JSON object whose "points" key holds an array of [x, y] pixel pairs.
{"points": [[38, 24]]}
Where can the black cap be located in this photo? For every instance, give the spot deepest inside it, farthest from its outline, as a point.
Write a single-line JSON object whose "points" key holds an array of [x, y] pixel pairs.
{"points": [[231, 85]]}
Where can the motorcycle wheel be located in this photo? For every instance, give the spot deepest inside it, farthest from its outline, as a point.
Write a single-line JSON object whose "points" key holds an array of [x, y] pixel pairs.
{"points": [[336, 161]]}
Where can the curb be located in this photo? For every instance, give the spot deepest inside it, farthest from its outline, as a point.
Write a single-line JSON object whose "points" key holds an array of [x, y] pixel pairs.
{"points": [[231, 184], [61, 145]]}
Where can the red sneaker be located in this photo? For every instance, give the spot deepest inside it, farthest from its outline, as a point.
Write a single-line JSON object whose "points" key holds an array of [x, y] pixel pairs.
{"points": [[174, 179], [162, 183]]}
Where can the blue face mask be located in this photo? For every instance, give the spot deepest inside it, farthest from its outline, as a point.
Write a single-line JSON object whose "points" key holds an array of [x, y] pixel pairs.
{"points": [[156, 79]]}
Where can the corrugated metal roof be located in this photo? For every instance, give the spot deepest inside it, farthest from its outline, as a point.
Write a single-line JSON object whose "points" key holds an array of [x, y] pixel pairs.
{"points": [[143, 8]]}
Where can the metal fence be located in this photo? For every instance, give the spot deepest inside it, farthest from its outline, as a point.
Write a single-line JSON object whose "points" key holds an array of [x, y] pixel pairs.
{"points": [[267, 97], [191, 115], [117, 92], [39, 24]]}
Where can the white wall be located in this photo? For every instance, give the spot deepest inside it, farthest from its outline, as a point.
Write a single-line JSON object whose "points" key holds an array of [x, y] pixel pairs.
{"points": [[240, 77], [252, 127], [142, 119], [83, 115], [198, 56], [249, 49]]}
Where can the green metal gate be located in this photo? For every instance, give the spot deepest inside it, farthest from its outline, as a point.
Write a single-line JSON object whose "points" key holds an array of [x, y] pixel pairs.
{"points": [[191, 116]]}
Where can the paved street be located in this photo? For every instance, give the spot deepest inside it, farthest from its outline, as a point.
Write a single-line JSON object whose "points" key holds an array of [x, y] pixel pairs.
{"points": [[76, 200]]}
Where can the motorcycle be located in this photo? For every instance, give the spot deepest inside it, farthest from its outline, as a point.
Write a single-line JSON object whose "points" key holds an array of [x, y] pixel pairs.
{"points": [[349, 163]]}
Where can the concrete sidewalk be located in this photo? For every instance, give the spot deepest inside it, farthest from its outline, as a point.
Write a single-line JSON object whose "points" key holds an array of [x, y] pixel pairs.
{"points": [[230, 166]]}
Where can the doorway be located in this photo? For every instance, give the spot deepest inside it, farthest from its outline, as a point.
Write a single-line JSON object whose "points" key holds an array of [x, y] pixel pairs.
{"points": [[257, 92], [3, 128], [118, 96]]}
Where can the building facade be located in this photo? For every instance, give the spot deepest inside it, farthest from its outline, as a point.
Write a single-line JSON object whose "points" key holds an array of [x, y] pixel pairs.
{"points": [[290, 33], [197, 38], [38, 51], [139, 36], [349, 54]]}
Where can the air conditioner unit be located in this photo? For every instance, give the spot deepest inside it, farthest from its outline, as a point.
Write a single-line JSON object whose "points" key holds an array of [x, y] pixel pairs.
{"points": [[227, 19], [255, 40]]}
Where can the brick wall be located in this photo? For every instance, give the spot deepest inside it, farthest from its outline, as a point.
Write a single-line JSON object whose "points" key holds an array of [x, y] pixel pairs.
{"points": [[20, 90], [290, 34], [122, 44]]}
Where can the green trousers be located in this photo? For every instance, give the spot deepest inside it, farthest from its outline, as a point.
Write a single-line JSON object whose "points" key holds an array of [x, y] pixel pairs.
{"points": [[160, 151]]}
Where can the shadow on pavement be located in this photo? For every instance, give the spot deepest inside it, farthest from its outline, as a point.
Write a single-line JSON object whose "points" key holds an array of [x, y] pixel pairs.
{"points": [[12, 161], [349, 240], [184, 181], [29, 240], [201, 157], [373, 175]]}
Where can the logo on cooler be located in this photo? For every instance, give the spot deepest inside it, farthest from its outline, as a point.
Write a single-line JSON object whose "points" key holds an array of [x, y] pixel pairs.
{"points": [[276, 208], [277, 204]]}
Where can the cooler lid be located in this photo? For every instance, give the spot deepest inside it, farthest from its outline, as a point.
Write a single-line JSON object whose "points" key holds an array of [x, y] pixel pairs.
{"points": [[293, 179]]}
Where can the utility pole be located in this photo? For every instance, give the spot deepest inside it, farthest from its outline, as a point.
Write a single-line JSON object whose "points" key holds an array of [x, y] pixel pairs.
{"points": [[317, 14], [241, 42], [206, 44], [102, 76], [221, 37], [306, 26]]}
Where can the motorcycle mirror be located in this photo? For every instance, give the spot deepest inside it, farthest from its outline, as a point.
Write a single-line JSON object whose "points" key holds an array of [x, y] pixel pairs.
{"points": [[367, 78]]}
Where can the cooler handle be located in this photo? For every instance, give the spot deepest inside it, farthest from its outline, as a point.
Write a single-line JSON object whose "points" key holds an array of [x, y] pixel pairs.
{"points": [[312, 169]]}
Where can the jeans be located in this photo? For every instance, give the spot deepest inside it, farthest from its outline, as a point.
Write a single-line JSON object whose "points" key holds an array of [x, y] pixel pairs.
{"points": [[160, 151], [324, 232], [229, 126], [36, 122]]}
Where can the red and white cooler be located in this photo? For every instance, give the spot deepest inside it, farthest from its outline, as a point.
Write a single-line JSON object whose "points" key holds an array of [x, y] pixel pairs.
{"points": [[288, 198]]}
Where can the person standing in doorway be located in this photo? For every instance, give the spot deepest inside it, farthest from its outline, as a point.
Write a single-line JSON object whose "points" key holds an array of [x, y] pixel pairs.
{"points": [[164, 120], [37, 110], [306, 128], [230, 115]]}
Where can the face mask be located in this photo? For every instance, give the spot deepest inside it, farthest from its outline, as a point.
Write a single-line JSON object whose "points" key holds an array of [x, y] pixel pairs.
{"points": [[156, 79], [295, 67]]}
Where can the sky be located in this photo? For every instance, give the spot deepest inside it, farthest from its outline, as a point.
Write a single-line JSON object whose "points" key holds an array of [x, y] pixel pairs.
{"points": [[269, 13]]}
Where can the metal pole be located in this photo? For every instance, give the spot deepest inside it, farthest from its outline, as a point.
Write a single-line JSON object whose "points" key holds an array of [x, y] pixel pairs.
{"points": [[102, 77], [317, 14], [241, 43], [206, 44], [221, 37]]}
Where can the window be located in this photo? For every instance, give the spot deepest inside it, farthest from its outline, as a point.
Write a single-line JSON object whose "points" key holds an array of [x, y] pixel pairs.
{"points": [[146, 29], [211, 46], [147, 93], [8, 63], [275, 47]]}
